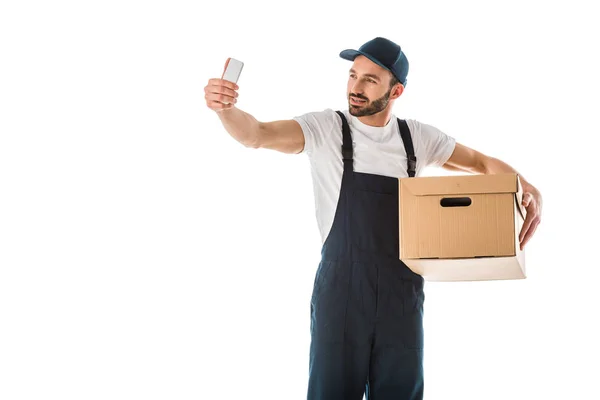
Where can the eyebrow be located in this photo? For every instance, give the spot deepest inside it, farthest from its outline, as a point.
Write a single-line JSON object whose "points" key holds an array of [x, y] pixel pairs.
{"points": [[367, 75]]}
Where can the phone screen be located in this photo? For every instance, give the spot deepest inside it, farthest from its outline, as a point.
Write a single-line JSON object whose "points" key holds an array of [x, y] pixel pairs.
{"points": [[233, 69]]}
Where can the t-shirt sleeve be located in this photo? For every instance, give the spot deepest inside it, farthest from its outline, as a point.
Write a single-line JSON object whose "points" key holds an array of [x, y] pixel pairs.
{"points": [[438, 145], [314, 125]]}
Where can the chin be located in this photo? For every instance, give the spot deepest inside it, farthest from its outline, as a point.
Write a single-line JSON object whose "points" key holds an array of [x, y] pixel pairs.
{"points": [[355, 107]]}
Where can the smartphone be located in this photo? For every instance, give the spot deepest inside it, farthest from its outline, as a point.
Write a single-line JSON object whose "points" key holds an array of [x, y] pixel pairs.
{"points": [[233, 69]]}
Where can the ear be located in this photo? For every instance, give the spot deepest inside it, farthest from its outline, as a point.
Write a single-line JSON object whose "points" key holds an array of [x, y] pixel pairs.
{"points": [[396, 91]]}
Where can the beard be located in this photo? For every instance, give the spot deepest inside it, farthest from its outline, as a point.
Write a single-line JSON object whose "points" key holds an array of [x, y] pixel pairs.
{"points": [[369, 108]]}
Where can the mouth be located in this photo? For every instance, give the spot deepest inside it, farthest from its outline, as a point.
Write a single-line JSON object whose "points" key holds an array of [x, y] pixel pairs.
{"points": [[357, 101]]}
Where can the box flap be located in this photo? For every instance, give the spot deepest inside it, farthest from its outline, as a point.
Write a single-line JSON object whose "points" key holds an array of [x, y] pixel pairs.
{"points": [[461, 184], [519, 199]]}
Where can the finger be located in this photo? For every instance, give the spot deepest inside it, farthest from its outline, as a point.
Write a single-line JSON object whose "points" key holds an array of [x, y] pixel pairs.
{"points": [[221, 90], [526, 225], [223, 82], [527, 199], [221, 98], [529, 234], [218, 106]]}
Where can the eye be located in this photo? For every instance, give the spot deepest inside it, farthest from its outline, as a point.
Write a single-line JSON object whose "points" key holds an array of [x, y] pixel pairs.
{"points": [[372, 81]]}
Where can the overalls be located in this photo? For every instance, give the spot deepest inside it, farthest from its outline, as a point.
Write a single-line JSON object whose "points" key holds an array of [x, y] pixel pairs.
{"points": [[367, 305]]}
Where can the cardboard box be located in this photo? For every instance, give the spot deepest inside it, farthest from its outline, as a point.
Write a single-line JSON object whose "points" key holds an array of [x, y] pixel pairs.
{"points": [[462, 228]]}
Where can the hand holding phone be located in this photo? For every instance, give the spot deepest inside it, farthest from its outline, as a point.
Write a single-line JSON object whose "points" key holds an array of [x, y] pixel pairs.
{"points": [[221, 94]]}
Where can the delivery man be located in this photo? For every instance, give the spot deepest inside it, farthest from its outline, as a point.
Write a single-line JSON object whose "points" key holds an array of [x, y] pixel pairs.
{"points": [[367, 305]]}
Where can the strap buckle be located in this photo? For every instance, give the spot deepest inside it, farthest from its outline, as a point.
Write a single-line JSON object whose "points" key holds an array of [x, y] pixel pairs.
{"points": [[412, 165], [347, 153]]}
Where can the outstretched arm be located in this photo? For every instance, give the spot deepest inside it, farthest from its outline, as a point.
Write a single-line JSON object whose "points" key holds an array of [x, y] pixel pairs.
{"points": [[284, 136]]}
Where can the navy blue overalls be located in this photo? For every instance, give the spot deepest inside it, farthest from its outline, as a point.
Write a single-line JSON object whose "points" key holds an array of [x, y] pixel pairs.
{"points": [[367, 305]]}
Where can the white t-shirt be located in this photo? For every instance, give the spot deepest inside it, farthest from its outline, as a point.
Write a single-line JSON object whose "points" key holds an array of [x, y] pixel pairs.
{"points": [[377, 150]]}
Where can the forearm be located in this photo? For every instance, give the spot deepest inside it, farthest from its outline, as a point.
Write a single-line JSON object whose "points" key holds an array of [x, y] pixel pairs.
{"points": [[242, 126], [493, 165]]}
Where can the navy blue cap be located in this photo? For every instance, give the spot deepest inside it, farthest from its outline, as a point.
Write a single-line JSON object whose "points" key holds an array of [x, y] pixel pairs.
{"points": [[384, 53]]}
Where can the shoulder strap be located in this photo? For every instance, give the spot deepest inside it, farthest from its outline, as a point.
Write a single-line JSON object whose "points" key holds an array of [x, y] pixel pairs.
{"points": [[347, 151], [408, 146]]}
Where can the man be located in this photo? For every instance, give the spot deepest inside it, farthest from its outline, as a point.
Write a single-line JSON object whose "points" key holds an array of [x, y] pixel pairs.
{"points": [[367, 306]]}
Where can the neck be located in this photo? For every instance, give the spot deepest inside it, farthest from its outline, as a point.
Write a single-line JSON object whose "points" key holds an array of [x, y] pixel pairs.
{"points": [[380, 119]]}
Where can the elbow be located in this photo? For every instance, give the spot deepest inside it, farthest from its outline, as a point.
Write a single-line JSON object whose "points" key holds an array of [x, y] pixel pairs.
{"points": [[254, 139], [486, 165]]}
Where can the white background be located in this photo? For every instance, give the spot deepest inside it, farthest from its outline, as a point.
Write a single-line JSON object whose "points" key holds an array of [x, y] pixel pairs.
{"points": [[145, 254]]}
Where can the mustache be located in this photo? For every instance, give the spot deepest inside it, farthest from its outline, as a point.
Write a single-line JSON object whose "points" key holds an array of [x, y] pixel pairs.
{"points": [[358, 96]]}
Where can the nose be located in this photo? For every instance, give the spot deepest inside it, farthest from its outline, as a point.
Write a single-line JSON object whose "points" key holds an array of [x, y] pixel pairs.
{"points": [[357, 88]]}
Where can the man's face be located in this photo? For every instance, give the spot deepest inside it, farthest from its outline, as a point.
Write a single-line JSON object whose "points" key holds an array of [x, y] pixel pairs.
{"points": [[368, 87]]}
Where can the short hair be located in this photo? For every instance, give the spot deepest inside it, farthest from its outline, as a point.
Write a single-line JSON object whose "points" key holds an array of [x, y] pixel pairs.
{"points": [[394, 81]]}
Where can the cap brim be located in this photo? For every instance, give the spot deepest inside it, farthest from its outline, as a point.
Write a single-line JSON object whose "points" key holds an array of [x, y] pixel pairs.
{"points": [[349, 54]]}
